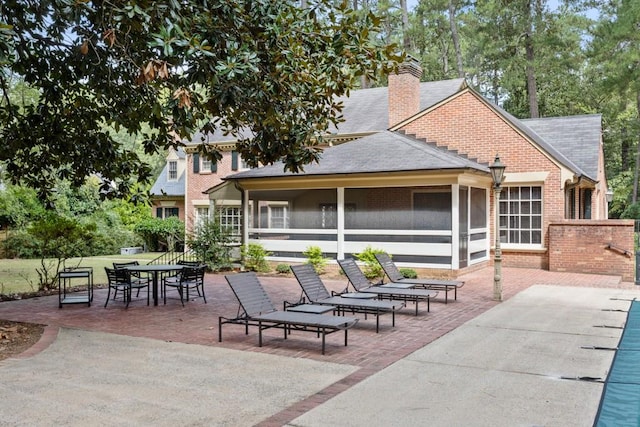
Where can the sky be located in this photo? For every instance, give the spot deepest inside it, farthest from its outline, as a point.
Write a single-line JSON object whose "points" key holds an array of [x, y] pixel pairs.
{"points": [[553, 4]]}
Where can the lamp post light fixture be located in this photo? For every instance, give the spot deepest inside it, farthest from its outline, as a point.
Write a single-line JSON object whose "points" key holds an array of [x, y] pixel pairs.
{"points": [[497, 173]]}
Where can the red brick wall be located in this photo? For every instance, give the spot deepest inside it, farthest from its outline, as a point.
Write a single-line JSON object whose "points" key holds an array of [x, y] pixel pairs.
{"points": [[580, 246], [468, 125], [199, 182]]}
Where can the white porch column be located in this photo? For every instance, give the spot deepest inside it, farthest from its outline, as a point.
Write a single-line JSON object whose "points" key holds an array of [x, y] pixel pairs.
{"points": [[455, 226], [245, 217], [340, 224]]}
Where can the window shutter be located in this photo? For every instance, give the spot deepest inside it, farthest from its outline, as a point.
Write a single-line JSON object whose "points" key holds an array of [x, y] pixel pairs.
{"points": [[214, 166], [196, 163], [158, 212], [234, 160]]}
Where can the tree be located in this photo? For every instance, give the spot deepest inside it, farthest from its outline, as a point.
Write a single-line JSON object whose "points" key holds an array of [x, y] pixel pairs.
{"points": [[267, 72], [616, 61]]}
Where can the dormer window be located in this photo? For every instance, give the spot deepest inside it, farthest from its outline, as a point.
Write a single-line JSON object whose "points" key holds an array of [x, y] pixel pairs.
{"points": [[173, 170]]}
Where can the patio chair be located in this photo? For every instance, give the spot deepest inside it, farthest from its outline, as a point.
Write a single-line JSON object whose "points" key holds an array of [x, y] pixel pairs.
{"points": [[120, 280], [257, 309], [316, 293], [189, 278], [136, 277], [360, 283], [396, 276]]}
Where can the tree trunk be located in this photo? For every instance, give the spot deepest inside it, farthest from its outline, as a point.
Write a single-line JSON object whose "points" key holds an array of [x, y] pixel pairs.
{"points": [[634, 196], [532, 87], [406, 41], [455, 37]]}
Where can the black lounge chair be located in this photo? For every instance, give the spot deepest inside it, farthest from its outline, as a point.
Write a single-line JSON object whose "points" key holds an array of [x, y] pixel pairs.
{"points": [[396, 276], [256, 309], [360, 283], [315, 292]]}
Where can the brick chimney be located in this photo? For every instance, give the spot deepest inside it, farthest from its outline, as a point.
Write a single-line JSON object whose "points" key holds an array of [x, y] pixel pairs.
{"points": [[404, 91]]}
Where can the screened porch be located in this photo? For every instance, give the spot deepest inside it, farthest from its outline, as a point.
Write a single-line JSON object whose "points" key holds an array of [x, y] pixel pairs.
{"points": [[445, 226]]}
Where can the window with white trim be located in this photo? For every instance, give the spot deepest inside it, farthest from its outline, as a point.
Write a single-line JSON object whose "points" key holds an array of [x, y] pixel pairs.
{"points": [[173, 170], [206, 165], [162, 212], [230, 218], [202, 214], [278, 216], [521, 215]]}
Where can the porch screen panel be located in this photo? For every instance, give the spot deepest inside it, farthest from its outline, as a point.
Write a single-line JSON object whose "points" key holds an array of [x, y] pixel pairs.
{"points": [[478, 208], [412, 223], [378, 209], [287, 222]]}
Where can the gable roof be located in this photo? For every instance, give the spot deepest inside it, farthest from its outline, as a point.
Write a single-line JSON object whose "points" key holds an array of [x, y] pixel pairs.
{"points": [[556, 133], [549, 148], [577, 137], [164, 187], [381, 152], [366, 110]]}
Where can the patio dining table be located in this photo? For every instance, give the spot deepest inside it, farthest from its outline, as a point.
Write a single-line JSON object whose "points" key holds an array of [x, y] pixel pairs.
{"points": [[155, 270]]}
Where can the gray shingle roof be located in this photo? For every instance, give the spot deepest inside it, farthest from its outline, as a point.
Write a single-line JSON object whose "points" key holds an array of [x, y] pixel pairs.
{"points": [[164, 187], [381, 152], [366, 110], [559, 140], [576, 137]]}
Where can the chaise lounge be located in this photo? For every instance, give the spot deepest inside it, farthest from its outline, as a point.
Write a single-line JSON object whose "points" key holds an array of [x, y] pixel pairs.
{"points": [[396, 276], [315, 292], [257, 309], [361, 284]]}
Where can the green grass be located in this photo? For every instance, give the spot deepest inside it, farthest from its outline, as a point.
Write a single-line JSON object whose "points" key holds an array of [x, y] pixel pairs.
{"points": [[19, 275]]}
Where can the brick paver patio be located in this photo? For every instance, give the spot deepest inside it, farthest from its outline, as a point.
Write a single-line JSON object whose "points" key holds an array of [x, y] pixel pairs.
{"points": [[197, 323]]}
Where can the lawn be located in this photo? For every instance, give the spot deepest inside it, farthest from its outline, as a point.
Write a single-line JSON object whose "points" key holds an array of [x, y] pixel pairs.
{"points": [[19, 275]]}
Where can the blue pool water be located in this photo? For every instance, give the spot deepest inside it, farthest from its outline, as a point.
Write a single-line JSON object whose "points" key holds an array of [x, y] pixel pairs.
{"points": [[620, 402]]}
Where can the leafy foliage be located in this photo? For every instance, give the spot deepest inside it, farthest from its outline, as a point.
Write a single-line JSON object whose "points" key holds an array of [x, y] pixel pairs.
{"points": [[372, 268], [167, 70], [254, 257], [19, 206], [160, 233], [212, 245], [315, 258], [283, 269], [408, 273]]}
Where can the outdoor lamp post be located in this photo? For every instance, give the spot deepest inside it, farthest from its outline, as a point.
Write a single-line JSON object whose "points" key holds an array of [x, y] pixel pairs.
{"points": [[497, 173]]}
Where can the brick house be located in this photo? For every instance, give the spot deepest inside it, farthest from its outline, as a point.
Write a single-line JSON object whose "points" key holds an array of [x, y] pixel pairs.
{"points": [[408, 172]]}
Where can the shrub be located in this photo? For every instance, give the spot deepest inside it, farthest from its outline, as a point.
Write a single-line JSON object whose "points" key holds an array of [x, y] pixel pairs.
{"points": [[315, 258], [372, 269], [283, 269], [408, 273], [157, 232], [254, 257], [212, 245]]}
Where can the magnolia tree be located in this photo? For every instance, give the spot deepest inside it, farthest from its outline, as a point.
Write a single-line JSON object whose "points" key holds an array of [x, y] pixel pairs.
{"points": [[267, 72]]}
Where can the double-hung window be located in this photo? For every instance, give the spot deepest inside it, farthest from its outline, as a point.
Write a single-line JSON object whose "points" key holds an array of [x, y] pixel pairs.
{"points": [[521, 215], [278, 216], [173, 170], [202, 215]]}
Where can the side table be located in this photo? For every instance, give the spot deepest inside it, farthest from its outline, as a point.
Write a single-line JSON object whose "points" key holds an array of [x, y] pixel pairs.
{"points": [[65, 278]]}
